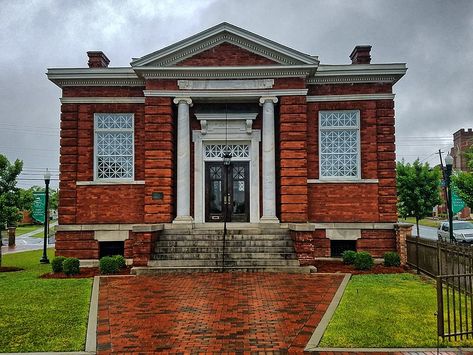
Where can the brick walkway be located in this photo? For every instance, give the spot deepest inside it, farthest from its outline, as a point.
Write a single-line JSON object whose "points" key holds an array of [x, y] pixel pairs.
{"points": [[215, 313]]}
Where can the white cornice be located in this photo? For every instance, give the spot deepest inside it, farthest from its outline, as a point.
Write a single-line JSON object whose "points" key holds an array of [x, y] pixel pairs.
{"points": [[358, 73], [224, 32], [224, 93], [355, 97], [102, 100], [94, 77], [225, 116], [231, 72]]}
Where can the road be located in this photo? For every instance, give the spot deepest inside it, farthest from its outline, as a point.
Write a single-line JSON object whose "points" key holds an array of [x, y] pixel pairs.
{"points": [[27, 242], [425, 232]]}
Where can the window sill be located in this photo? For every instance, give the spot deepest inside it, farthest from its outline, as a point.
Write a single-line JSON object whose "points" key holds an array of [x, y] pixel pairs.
{"points": [[122, 182], [331, 181]]}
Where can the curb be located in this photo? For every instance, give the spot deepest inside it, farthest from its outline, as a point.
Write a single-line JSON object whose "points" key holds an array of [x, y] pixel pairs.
{"points": [[91, 337], [320, 330], [393, 350]]}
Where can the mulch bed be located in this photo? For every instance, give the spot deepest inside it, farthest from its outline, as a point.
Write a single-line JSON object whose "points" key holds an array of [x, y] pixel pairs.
{"points": [[337, 266], [10, 268], [84, 273]]}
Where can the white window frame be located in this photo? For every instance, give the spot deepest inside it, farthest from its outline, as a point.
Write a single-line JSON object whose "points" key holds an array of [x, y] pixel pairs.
{"points": [[334, 128], [96, 130]]}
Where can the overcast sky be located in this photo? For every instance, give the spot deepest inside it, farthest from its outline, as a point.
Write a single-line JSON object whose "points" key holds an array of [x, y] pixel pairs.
{"points": [[434, 38]]}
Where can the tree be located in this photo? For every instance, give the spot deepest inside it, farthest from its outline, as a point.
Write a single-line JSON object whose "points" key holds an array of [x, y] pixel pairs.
{"points": [[27, 198], [468, 153], [463, 185], [417, 190], [9, 193]]}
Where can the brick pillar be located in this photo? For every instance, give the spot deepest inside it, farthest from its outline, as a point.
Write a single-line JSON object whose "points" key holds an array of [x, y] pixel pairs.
{"points": [[402, 231], [159, 160], [68, 164], [386, 158], [143, 246], [293, 158]]}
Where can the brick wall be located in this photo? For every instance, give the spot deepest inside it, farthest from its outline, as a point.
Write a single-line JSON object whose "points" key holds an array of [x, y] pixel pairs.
{"points": [[77, 161], [225, 54], [77, 244], [356, 202], [377, 242]]}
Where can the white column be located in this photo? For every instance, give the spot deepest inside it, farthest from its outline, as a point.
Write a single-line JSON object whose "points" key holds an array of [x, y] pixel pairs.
{"points": [[269, 167], [183, 161]]}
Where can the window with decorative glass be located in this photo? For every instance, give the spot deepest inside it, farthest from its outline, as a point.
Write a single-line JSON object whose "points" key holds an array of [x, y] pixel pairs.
{"points": [[339, 145], [114, 146]]}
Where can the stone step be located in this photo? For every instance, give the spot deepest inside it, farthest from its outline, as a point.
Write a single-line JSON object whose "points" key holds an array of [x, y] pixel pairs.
{"points": [[217, 237], [160, 249], [155, 270], [249, 231], [217, 263], [228, 243], [228, 256]]}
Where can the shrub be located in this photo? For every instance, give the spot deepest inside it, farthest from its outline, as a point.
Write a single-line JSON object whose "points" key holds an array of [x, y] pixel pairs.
{"points": [[363, 261], [348, 256], [392, 259], [108, 265], [70, 266], [56, 264], [120, 260]]}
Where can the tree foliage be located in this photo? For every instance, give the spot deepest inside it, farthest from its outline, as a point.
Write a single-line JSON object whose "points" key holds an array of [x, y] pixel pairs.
{"points": [[27, 198], [463, 185], [418, 189], [468, 153], [9, 193]]}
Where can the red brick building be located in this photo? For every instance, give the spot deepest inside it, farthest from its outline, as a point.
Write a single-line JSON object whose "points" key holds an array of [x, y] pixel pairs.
{"points": [[310, 147]]}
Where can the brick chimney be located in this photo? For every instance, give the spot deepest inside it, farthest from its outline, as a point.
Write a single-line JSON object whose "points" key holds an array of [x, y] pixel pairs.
{"points": [[97, 59], [361, 55]]}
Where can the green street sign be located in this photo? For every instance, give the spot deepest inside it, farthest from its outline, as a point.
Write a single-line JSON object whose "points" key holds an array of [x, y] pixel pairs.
{"points": [[38, 206], [457, 203]]}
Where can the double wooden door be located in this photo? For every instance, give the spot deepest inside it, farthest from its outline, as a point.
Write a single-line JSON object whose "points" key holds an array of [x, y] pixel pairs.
{"points": [[227, 192]]}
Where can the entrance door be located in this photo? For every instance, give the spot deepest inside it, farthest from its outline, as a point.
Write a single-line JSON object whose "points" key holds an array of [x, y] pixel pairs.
{"points": [[227, 191]]}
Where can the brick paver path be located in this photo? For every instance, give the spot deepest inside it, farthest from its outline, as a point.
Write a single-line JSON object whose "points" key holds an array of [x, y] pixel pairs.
{"points": [[211, 312]]}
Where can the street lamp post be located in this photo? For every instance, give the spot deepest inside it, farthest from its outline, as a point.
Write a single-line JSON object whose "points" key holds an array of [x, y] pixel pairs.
{"points": [[227, 159], [47, 178], [448, 174]]}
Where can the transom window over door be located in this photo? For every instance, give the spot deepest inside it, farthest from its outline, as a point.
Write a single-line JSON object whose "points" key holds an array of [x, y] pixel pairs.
{"points": [[114, 146], [339, 142]]}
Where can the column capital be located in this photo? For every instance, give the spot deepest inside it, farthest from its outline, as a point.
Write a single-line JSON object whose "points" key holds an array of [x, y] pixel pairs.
{"points": [[264, 99], [187, 100]]}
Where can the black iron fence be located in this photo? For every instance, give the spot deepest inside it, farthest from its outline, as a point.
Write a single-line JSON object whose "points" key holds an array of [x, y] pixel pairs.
{"points": [[452, 266]]}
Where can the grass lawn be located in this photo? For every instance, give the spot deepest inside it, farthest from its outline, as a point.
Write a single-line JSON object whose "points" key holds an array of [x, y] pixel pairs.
{"points": [[423, 222], [41, 314], [394, 310], [40, 234]]}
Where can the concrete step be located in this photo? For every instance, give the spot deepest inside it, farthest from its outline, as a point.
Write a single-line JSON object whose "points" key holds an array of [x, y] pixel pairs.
{"points": [[228, 256], [218, 263], [219, 237], [228, 243], [155, 270], [160, 249], [247, 231]]}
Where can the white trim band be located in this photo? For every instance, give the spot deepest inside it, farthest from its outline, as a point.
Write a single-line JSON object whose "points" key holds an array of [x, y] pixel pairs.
{"points": [[121, 182], [225, 93], [356, 97], [102, 100], [332, 181]]}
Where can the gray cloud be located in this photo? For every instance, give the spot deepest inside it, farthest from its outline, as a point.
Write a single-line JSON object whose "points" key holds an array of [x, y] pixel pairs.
{"points": [[435, 39]]}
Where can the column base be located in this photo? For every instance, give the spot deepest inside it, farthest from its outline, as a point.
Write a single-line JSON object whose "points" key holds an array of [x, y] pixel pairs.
{"points": [[183, 221], [269, 219]]}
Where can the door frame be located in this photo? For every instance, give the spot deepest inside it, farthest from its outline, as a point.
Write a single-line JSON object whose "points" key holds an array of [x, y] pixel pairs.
{"points": [[237, 132]]}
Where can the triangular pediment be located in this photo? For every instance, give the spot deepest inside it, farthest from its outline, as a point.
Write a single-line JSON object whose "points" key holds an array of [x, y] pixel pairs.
{"points": [[204, 45]]}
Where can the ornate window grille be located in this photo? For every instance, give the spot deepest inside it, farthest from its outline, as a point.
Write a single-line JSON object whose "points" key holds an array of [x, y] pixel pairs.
{"points": [[217, 151], [114, 146], [339, 138]]}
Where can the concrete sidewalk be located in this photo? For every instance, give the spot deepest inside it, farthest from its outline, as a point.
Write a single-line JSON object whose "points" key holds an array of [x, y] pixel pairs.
{"points": [[26, 242]]}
